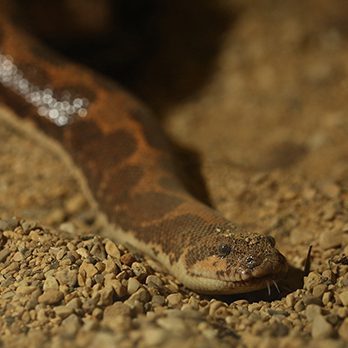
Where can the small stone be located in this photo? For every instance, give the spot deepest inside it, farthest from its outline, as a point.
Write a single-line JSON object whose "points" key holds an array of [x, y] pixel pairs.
{"points": [[67, 277], [312, 311], [343, 330], [309, 299], [321, 328], [117, 309], [63, 311], [299, 306], [173, 324], [344, 298], [71, 325], [4, 253], [112, 250], [154, 281], [319, 290], [88, 268], [330, 239], [25, 289], [51, 297], [153, 337], [18, 256], [133, 285], [174, 299], [127, 259], [139, 269], [50, 283]]}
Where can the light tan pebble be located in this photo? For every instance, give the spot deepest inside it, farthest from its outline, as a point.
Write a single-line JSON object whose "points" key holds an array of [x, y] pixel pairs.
{"points": [[154, 281], [139, 269], [312, 311], [299, 306], [344, 298], [319, 290], [328, 274], [326, 298], [158, 300], [68, 227], [56, 216], [112, 250], [60, 254], [298, 236], [110, 266], [342, 312], [83, 253], [312, 280], [174, 324], [18, 256], [90, 324], [330, 239], [321, 328], [67, 277], [97, 313], [127, 259], [119, 288], [71, 325], [117, 309], [133, 285], [41, 316], [290, 300], [51, 297], [75, 303], [153, 337], [50, 283], [88, 268], [25, 289], [174, 299], [141, 295], [343, 330], [106, 296], [63, 311], [75, 203]]}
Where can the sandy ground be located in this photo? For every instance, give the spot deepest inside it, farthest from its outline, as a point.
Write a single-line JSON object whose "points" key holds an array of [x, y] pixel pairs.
{"points": [[270, 128]]}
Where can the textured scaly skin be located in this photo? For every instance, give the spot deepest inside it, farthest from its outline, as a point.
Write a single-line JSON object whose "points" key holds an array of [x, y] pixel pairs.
{"points": [[127, 163]]}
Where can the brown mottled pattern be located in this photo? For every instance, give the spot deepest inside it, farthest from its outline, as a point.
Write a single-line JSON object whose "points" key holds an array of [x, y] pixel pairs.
{"points": [[125, 157]]}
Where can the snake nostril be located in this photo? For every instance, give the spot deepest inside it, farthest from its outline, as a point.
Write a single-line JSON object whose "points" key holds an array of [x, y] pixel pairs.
{"points": [[251, 262]]}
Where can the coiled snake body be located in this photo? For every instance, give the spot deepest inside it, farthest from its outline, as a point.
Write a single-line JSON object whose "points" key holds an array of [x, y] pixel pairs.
{"points": [[128, 166]]}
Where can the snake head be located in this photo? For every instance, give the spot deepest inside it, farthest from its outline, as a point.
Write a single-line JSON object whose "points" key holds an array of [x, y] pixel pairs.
{"points": [[232, 261]]}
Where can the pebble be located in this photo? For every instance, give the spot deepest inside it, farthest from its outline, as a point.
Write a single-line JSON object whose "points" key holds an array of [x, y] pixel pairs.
{"points": [[153, 337], [112, 250], [312, 311], [344, 298], [343, 330], [174, 299], [71, 325], [330, 239], [321, 328], [51, 297], [132, 285]]}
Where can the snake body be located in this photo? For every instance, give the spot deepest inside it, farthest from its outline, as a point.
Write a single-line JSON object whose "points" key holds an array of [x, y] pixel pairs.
{"points": [[129, 168]]}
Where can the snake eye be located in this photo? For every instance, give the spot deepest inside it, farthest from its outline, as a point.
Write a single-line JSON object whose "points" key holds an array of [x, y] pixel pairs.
{"points": [[224, 250], [271, 240]]}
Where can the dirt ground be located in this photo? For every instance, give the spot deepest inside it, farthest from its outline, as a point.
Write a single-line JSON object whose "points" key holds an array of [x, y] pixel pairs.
{"points": [[265, 112]]}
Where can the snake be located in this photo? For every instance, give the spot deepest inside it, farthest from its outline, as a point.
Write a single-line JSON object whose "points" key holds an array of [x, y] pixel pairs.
{"points": [[129, 167]]}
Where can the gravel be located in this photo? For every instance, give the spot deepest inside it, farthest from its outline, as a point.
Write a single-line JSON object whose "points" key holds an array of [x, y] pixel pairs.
{"points": [[62, 284]]}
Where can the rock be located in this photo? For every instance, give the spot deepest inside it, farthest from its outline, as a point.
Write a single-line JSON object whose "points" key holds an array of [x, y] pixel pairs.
{"points": [[132, 285], [343, 330], [173, 324], [88, 268], [71, 325], [319, 290], [112, 250], [174, 299], [67, 277], [51, 297], [3, 254], [312, 311], [321, 328], [63, 311], [153, 281], [153, 337], [344, 298], [330, 239], [50, 283], [117, 309], [127, 259]]}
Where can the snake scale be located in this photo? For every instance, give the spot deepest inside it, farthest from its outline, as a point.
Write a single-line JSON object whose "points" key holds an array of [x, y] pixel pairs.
{"points": [[128, 165]]}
